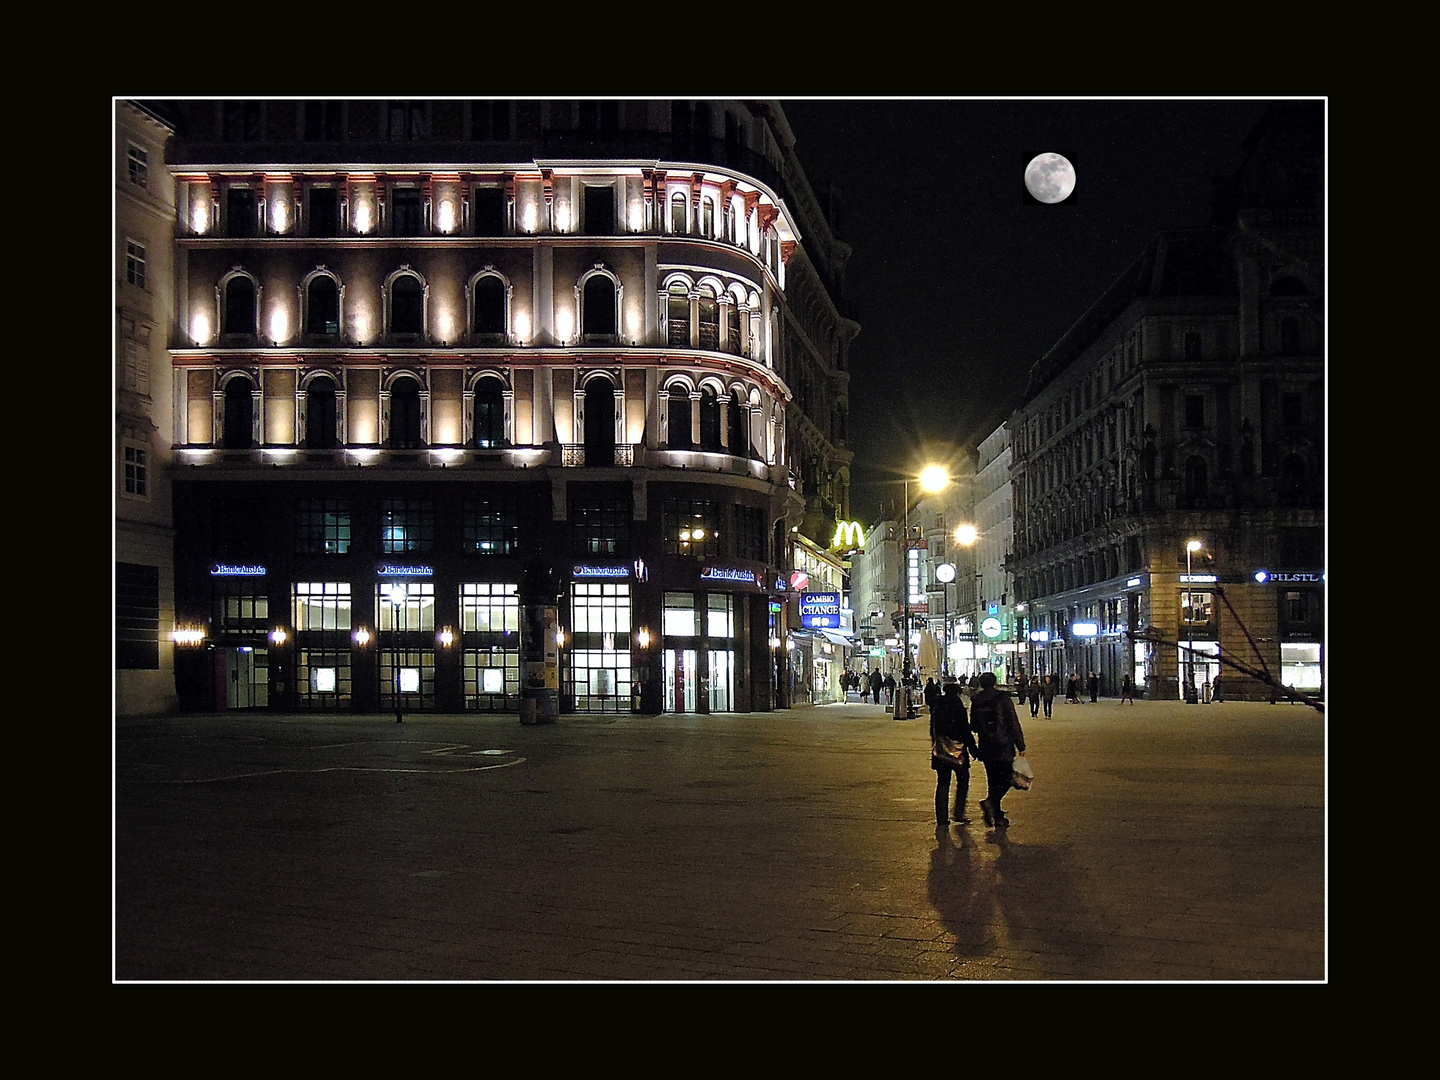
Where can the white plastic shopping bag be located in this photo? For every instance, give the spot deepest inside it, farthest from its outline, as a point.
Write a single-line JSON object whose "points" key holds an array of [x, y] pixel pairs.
{"points": [[1023, 775]]}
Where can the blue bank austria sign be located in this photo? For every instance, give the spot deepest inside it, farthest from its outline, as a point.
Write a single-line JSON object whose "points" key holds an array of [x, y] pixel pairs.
{"points": [[820, 611]]}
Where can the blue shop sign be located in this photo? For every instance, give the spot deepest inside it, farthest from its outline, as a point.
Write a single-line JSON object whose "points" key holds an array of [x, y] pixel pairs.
{"points": [[820, 611]]}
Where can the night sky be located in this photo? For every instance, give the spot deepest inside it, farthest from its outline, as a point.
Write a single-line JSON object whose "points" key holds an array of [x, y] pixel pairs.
{"points": [[963, 281]]}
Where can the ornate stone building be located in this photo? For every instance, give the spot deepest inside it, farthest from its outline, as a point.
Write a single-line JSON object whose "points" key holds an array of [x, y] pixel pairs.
{"points": [[144, 539], [1187, 408], [434, 363]]}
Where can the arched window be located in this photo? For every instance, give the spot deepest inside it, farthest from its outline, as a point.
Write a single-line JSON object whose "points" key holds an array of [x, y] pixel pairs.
{"points": [[677, 315], [677, 212], [320, 414], [405, 427], [600, 422], [707, 217], [597, 312], [239, 429], [679, 419], [738, 439], [240, 305], [732, 327], [709, 317], [488, 316], [1289, 336], [407, 305], [322, 306], [1196, 482], [489, 413], [709, 420]]}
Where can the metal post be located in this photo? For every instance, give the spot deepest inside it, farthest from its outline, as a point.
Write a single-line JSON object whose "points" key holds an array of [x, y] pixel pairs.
{"points": [[904, 608], [1190, 618]]}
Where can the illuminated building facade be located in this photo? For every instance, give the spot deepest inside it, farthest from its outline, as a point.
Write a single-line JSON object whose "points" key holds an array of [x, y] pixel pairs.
{"points": [[1188, 405], [433, 362], [144, 539]]}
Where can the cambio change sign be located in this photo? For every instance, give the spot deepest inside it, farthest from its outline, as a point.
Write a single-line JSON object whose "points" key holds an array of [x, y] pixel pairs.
{"points": [[820, 610]]}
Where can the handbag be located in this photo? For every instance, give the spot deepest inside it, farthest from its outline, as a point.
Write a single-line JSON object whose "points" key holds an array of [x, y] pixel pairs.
{"points": [[950, 751], [1022, 775]]}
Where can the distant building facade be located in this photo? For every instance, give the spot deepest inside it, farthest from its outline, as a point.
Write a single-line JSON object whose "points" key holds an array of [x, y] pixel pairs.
{"points": [[144, 566], [1188, 405], [432, 364]]}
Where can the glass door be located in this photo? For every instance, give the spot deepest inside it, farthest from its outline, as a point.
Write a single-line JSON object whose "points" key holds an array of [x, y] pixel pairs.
{"points": [[722, 670], [247, 678], [680, 680]]}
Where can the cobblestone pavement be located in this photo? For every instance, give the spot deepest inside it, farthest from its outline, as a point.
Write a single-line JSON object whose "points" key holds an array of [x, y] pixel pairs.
{"points": [[1160, 842]]}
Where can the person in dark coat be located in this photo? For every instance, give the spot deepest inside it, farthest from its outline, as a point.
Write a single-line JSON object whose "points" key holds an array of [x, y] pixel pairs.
{"points": [[1048, 690], [1126, 691], [875, 682], [1034, 694], [1094, 688], [951, 747], [889, 684], [932, 695], [992, 715]]}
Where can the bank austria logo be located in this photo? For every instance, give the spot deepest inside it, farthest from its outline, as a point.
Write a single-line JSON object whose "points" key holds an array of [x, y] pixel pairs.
{"points": [[586, 570], [235, 570], [392, 570], [728, 573]]}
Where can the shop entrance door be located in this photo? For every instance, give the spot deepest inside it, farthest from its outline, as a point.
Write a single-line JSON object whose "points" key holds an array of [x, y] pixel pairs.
{"points": [[681, 671], [246, 674], [722, 670], [1205, 664]]}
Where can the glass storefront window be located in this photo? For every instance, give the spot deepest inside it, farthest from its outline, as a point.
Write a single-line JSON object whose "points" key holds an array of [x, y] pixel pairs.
{"points": [[405, 605], [721, 622], [1300, 665], [598, 674], [492, 607], [322, 605], [679, 619]]}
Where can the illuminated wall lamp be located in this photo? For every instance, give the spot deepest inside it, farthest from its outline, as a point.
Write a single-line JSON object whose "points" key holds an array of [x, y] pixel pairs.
{"points": [[188, 637], [642, 638], [278, 635], [447, 637], [362, 637]]}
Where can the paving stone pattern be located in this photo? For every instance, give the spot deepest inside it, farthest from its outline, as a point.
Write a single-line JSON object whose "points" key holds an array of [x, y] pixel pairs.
{"points": [[1161, 842]]}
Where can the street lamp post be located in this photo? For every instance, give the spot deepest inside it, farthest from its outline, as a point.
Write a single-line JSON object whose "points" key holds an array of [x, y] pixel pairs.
{"points": [[1191, 547], [966, 536], [932, 478]]}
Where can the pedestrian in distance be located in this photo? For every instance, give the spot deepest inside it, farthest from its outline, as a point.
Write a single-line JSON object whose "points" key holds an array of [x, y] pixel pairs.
{"points": [[1048, 690], [1072, 689], [932, 695], [1215, 689], [951, 747], [1094, 688], [1035, 695], [1001, 739], [889, 685], [1125, 691], [875, 683]]}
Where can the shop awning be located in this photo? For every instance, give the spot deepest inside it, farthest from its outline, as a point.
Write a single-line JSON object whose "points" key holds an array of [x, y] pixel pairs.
{"points": [[837, 638]]}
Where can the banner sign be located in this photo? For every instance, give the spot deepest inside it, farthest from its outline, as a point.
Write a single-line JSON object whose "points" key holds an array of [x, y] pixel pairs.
{"points": [[820, 610], [231, 570]]}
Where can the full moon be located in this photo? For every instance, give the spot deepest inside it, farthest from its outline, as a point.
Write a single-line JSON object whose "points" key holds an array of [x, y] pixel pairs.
{"points": [[1050, 178]]}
